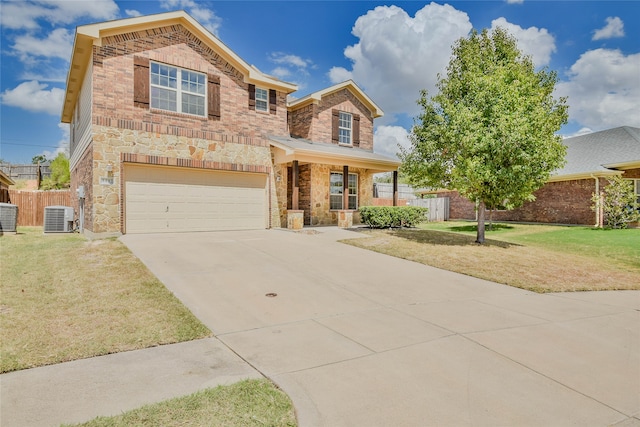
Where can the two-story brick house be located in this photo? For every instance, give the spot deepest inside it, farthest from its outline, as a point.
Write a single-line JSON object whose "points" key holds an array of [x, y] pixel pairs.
{"points": [[172, 131]]}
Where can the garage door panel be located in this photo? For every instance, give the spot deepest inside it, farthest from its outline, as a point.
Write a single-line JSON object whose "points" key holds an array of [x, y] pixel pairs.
{"points": [[160, 199]]}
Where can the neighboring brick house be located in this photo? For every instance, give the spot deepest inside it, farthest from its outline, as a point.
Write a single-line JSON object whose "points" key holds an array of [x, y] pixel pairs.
{"points": [[172, 131], [566, 198]]}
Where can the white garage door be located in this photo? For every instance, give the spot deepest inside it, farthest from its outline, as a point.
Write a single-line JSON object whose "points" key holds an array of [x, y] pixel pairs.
{"points": [[163, 199]]}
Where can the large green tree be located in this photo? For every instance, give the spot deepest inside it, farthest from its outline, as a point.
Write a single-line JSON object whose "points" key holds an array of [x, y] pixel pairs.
{"points": [[489, 133]]}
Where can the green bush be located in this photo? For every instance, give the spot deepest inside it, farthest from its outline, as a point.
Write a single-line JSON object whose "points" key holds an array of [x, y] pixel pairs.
{"points": [[617, 202], [392, 216]]}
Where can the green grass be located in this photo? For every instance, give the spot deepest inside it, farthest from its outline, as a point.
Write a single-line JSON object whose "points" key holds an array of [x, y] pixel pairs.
{"points": [[64, 298], [246, 403], [621, 246], [540, 258]]}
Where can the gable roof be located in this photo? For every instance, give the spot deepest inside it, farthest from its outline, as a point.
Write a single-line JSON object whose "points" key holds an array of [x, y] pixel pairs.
{"points": [[91, 35], [315, 97], [601, 153]]}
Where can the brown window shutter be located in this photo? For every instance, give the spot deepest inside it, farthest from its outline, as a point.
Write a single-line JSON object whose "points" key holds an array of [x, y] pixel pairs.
{"points": [[252, 97], [356, 130], [273, 100], [214, 97], [141, 81], [335, 123]]}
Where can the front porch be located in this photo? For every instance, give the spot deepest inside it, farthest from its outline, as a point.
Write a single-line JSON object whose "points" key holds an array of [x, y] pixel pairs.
{"points": [[324, 184]]}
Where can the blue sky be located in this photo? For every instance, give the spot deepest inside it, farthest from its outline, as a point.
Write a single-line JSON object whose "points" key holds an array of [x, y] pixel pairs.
{"points": [[390, 49]]}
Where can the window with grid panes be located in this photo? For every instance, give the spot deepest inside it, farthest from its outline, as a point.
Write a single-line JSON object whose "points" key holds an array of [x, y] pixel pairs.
{"points": [[336, 191], [344, 128], [179, 90]]}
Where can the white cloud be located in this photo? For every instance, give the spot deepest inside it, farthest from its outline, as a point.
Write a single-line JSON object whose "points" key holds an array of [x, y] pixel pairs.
{"points": [[290, 60], [35, 97], [387, 138], [397, 55], [203, 15], [614, 28], [57, 44], [26, 14], [515, 1], [132, 13], [339, 74], [533, 41], [603, 89], [281, 72]]}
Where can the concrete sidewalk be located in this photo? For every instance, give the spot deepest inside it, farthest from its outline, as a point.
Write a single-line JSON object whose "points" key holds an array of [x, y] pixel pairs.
{"points": [[358, 338], [78, 391]]}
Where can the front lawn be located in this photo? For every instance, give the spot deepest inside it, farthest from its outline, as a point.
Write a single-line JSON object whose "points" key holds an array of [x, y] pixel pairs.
{"points": [[64, 298], [246, 403], [535, 257]]}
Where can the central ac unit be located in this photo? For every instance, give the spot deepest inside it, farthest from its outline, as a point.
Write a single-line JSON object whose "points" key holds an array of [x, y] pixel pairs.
{"points": [[8, 217], [58, 219]]}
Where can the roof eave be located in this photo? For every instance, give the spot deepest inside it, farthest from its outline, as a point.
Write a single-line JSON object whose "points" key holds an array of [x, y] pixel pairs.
{"points": [[289, 154], [584, 175], [633, 164]]}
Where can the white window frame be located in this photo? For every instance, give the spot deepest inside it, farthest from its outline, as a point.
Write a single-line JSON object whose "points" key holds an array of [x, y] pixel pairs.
{"points": [[178, 90], [262, 102], [345, 128], [353, 191]]}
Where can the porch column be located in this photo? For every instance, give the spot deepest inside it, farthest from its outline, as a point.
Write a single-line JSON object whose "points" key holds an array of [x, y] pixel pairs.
{"points": [[296, 186], [395, 188], [345, 187]]}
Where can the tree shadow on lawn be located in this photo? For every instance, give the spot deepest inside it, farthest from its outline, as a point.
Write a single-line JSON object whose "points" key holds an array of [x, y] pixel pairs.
{"points": [[445, 238], [473, 228]]}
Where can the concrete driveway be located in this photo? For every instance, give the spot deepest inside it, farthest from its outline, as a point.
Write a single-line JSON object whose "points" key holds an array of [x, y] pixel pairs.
{"points": [[358, 338]]}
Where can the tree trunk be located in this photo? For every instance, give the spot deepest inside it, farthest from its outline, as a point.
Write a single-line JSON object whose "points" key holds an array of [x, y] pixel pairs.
{"points": [[481, 213]]}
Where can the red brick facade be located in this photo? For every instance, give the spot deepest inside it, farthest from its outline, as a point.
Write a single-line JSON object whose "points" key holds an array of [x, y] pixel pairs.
{"points": [[559, 202], [313, 121], [113, 87]]}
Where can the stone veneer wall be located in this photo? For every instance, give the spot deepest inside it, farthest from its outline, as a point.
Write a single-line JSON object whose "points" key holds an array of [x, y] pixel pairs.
{"points": [[320, 179], [82, 174], [314, 121], [111, 143]]}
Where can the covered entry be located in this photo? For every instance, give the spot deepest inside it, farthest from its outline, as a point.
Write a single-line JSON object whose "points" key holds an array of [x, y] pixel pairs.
{"points": [[171, 199]]}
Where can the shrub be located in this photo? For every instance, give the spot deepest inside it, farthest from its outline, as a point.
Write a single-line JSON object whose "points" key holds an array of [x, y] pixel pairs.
{"points": [[618, 203], [392, 216]]}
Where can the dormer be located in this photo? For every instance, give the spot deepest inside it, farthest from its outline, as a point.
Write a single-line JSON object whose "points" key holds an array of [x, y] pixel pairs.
{"points": [[341, 115]]}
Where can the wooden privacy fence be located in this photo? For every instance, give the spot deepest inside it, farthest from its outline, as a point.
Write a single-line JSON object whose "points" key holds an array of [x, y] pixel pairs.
{"points": [[438, 207], [31, 204]]}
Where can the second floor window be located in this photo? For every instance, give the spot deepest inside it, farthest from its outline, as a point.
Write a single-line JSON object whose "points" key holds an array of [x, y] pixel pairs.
{"points": [[262, 99], [344, 128], [179, 90]]}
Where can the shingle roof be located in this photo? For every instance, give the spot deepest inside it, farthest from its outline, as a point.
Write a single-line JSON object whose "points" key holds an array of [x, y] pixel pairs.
{"points": [[601, 151], [301, 146]]}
